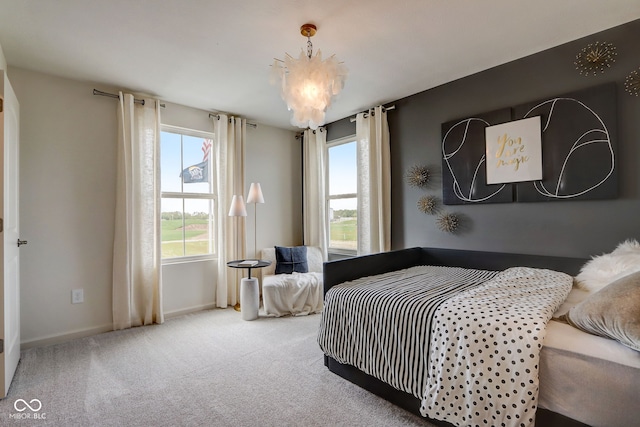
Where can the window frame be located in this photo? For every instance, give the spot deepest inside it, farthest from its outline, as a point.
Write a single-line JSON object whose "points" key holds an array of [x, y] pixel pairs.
{"points": [[328, 197], [212, 196]]}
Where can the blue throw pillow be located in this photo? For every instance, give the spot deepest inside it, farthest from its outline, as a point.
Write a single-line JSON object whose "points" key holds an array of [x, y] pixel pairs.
{"points": [[291, 259]]}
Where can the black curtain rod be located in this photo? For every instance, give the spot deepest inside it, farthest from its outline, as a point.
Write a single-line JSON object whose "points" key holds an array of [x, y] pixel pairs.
{"points": [[112, 95], [217, 116], [392, 107], [141, 101]]}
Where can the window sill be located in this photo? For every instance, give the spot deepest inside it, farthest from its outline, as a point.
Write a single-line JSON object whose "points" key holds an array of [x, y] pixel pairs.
{"points": [[188, 259], [334, 254]]}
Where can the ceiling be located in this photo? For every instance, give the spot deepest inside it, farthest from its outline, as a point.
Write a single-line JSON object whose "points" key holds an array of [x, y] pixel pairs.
{"points": [[216, 55]]}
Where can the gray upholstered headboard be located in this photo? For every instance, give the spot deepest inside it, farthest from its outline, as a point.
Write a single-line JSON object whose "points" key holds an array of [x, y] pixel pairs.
{"points": [[339, 271]]}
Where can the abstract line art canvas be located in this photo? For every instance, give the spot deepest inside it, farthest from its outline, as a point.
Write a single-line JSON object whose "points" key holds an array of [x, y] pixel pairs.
{"points": [[578, 149]]}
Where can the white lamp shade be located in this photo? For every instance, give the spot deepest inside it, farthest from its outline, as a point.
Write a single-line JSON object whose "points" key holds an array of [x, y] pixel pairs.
{"points": [[237, 207], [255, 193]]}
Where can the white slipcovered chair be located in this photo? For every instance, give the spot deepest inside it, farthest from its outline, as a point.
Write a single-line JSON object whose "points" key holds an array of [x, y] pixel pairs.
{"points": [[296, 293]]}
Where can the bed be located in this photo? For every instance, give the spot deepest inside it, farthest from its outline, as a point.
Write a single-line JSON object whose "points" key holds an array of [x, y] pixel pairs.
{"points": [[583, 379]]}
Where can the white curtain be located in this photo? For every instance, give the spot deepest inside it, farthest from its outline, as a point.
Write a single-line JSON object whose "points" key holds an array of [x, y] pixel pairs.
{"points": [[230, 136], [314, 219], [137, 282], [374, 182]]}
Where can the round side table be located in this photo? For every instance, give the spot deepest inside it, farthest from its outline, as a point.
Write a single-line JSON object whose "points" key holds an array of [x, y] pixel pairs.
{"points": [[249, 288]]}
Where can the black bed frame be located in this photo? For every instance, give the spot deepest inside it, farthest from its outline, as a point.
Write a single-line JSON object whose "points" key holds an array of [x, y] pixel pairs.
{"points": [[339, 271]]}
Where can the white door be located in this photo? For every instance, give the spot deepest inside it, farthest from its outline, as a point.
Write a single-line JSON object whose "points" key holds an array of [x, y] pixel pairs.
{"points": [[9, 261]]}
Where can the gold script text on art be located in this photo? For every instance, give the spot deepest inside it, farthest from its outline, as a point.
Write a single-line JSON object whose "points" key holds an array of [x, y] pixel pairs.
{"points": [[510, 152]]}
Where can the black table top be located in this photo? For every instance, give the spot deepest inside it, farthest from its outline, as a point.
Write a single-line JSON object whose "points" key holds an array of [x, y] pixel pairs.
{"points": [[261, 263]]}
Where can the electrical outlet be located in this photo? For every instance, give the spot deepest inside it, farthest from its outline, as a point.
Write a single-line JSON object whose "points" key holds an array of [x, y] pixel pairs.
{"points": [[77, 296]]}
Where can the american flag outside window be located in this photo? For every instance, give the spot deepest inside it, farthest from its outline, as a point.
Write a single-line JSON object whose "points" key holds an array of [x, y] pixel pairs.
{"points": [[198, 172]]}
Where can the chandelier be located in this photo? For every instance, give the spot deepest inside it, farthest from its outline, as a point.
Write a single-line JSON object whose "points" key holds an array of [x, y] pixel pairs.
{"points": [[308, 84]]}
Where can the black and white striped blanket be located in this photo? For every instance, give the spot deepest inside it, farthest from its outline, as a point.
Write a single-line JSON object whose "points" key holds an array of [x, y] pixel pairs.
{"points": [[437, 333], [381, 324]]}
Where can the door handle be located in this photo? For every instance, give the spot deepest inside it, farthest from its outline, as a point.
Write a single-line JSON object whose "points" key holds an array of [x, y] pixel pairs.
{"points": [[21, 242]]}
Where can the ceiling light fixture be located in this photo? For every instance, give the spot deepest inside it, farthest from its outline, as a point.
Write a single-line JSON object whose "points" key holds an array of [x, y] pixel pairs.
{"points": [[308, 84]]}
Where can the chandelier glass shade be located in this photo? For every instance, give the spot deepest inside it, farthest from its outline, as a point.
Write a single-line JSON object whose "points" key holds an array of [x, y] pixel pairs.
{"points": [[308, 84]]}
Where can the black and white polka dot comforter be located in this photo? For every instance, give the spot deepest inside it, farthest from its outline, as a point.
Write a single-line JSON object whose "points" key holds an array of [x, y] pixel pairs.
{"points": [[466, 342]]}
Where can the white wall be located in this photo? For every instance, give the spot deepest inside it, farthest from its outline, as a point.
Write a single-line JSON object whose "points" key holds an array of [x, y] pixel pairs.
{"points": [[67, 198], [67, 204], [3, 61], [274, 160]]}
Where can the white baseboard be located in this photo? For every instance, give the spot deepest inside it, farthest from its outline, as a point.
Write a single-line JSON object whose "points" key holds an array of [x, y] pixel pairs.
{"points": [[82, 333], [67, 336], [183, 311]]}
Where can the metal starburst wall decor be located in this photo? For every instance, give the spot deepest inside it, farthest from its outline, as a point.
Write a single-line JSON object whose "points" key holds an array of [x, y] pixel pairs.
{"points": [[595, 57], [632, 83], [418, 176], [448, 222], [428, 204]]}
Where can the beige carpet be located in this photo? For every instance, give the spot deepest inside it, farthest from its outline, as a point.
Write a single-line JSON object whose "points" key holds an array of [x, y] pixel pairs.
{"points": [[205, 369]]}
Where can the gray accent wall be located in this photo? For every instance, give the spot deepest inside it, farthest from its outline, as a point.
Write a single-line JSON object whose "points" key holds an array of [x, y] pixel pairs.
{"points": [[561, 228]]}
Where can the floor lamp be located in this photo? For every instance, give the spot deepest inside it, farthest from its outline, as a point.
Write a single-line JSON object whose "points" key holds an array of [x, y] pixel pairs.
{"points": [[255, 197], [237, 210]]}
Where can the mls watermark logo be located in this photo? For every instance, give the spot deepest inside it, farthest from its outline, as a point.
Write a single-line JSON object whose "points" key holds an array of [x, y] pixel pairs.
{"points": [[28, 410]]}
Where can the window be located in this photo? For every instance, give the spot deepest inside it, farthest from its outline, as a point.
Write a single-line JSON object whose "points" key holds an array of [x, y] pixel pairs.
{"points": [[342, 195], [188, 200]]}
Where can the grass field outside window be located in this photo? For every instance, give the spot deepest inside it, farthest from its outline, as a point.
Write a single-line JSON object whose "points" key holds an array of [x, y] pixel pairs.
{"points": [[188, 200], [342, 195]]}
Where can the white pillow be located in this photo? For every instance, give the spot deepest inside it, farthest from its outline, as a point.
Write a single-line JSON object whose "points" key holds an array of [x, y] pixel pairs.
{"points": [[607, 268]]}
